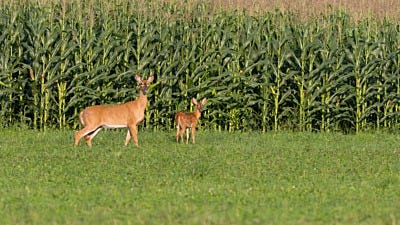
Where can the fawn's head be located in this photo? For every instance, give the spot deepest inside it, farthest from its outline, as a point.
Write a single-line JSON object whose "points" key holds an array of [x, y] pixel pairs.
{"points": [[144, 84], [200, 104]]}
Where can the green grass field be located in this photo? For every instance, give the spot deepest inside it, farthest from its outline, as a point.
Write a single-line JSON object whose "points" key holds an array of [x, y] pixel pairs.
{"points": [[225, 178]]}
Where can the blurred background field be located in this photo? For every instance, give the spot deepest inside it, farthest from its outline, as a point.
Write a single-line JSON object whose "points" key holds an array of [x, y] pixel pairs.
{"points": [[305, 9]]}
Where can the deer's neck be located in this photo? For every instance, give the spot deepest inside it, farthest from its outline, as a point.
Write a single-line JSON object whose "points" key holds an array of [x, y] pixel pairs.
{"points": [[142, 99], [197, 113]]}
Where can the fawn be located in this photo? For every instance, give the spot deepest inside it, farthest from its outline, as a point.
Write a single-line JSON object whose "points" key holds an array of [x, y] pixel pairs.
{"points": [[128, 114], [186, 120]]}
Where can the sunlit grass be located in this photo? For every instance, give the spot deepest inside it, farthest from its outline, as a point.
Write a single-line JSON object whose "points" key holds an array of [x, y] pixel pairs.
{"points": [[226, 178]]}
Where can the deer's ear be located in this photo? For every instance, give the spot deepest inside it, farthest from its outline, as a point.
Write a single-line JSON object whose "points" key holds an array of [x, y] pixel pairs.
{"points": [[203, 101], [150, 79], [137, 78], [194, 101]]}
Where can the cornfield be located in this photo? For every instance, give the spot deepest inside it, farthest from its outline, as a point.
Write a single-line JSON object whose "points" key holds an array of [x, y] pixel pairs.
{"points": [[268, 71]]}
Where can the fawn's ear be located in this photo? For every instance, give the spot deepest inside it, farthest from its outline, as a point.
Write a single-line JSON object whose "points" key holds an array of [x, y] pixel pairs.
{"points": [[203, 101], [150, 79], [194, 101], [137, 78]]}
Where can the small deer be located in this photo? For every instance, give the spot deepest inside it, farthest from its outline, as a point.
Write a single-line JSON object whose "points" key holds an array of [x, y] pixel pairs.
{"points": [[186, 120], [128, 114]]}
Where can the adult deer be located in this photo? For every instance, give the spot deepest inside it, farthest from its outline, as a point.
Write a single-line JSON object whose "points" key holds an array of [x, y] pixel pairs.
{"points": [[128, 114], [186, 120]]}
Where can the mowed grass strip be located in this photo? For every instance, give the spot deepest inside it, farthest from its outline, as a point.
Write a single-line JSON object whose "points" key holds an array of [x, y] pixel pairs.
{"points": [[225, 178]]}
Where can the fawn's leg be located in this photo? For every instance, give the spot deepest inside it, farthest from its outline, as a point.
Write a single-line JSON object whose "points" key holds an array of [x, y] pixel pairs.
{"points": [[187, 135], [181, 132], [193, 134], [177, 133]]}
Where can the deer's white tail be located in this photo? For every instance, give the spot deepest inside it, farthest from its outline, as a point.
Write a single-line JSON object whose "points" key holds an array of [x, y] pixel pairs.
{"points": [[80, 119]]}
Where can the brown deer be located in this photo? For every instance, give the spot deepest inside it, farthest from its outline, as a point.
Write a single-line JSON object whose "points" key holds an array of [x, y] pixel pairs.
{"points": [[128, 114], [186, 120]]}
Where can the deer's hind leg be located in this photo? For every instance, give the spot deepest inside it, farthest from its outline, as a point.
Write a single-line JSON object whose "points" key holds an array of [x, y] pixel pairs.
{"points": [[90, 136], [88, 133]]}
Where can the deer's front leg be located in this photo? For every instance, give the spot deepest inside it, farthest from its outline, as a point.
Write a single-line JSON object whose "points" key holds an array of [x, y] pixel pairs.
{"points": [[128, 137], [133, 133]]}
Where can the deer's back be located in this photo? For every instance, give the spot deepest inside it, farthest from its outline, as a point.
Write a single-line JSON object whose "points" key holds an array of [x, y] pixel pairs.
{"points": [[185, 119], [110, 115]]}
